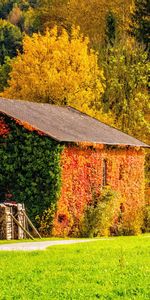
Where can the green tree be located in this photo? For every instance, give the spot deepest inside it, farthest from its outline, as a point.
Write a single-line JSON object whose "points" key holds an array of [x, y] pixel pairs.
{"points": [[4, 73], [140, 27], [10, 40], [5, 7], [110, 28]]}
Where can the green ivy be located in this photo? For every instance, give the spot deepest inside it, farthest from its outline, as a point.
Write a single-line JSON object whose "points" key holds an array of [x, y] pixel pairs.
{"points": [[30, 168]]}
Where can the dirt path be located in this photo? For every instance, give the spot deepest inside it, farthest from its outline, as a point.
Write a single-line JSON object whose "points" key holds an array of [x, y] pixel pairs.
{"points": [[28, 246]]}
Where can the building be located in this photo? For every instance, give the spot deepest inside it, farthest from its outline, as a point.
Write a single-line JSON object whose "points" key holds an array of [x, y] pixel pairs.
{"points": [[82, 157]]}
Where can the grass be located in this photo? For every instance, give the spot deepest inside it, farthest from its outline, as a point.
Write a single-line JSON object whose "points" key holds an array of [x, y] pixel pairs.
{"points": [[107, 269]]}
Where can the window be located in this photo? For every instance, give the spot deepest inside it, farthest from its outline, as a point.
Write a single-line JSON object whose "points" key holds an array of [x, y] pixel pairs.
{"points": [[61, 218], [121, 172], [104, 182]]}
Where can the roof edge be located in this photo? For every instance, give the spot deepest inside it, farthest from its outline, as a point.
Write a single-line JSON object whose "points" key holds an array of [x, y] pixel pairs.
{"points": [[82, 113]]}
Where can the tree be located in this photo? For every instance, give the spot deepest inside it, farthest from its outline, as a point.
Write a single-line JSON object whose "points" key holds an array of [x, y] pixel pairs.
{"points": [[52, 12], [15, 15], [140, 27], [90, 15], [5, 8], [110, 31], [4, 73], [57, 69], [126, 71], [10, 40]]}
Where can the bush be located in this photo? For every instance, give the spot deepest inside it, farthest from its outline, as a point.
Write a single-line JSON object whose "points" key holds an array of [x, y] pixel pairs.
{"points": [[46, 221], [130, 226], [99, 216]]}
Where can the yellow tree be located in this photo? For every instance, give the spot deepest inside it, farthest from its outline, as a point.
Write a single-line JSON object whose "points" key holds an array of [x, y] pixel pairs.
{"points": [[90, 15], [57, 68]]}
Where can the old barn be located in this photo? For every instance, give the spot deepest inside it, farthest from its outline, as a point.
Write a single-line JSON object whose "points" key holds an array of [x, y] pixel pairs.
{"points": [[55, 158]]}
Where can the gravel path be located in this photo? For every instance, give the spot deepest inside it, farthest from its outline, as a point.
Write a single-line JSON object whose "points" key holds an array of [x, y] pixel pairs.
{"points": [[28, 246]]}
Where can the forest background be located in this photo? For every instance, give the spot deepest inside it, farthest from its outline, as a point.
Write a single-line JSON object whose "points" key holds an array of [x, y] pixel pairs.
{"points": [[118, 33]]}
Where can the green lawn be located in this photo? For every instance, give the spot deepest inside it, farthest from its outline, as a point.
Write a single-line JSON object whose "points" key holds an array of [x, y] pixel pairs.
{"points": [[108, 269]]}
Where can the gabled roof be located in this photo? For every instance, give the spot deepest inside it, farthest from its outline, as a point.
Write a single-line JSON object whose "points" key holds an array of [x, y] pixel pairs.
{"points": [[66, 124]]}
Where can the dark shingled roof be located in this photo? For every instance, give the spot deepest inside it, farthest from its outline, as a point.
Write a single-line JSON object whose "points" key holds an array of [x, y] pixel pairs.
{"points": [[66, 124]]}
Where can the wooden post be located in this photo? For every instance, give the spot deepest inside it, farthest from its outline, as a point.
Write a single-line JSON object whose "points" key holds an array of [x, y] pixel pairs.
{"points": [[21, 227], [30, 223], [20, 220], [6, 224], [24, 221], [12, 224]]}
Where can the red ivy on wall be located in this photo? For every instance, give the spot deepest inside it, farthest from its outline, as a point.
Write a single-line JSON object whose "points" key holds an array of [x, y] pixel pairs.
{"points": [[4, 128], [82, 173]]}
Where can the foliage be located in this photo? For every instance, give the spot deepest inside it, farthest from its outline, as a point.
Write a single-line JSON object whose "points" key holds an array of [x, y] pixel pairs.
{"points": [[116, 268], [88, 14], [110, 31], [8, 6], [147, 167], [30, 169], [10, 40], [56, 69], [52, 12], [146, 223], [15, 15], [126, 70], [4, 73], [99, 215], [30, 21], [5, 8], [140, 26], [45, 223], [82, 173]]}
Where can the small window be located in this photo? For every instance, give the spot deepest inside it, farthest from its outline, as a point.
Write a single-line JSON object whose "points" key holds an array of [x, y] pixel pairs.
{"points": [[104, 182], [121, 172], [61, 218]]}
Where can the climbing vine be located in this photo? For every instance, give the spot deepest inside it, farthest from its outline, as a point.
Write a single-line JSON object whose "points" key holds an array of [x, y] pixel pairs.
{"points": [[30, 167], [82, 172]]}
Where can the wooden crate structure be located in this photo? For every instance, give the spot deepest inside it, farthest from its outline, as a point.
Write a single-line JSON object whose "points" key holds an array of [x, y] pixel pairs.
{"points": [[10, 214]]}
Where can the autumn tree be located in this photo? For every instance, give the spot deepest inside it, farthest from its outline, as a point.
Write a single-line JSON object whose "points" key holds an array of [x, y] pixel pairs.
{"points": [[57, 68], [49, 13], [90, 15], [126, 70], [15, 15]]}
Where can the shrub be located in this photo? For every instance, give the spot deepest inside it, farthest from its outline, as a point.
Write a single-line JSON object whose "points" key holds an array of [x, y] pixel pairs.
{"points": [[99, 216], [130, 226], [46, 221]]}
